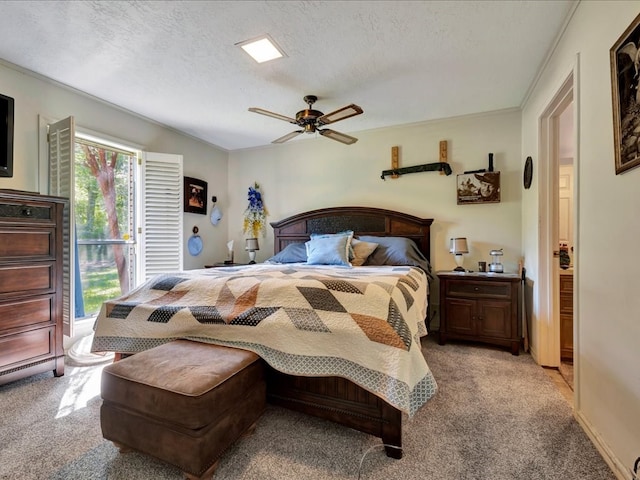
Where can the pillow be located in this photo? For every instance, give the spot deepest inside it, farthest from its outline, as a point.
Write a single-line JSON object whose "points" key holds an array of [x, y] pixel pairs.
{"points": [[396, 251], [292, 253], [347, 233], [361, 251], [328, 250]]}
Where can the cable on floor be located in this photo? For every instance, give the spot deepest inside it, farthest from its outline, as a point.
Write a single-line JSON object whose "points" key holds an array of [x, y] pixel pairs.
{"points": [[371, 448]]}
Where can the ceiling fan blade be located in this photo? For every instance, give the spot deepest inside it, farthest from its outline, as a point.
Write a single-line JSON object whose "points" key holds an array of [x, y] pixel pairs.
{"points": [[340, 137], [288, 136], [340, 114], [274, 115]]}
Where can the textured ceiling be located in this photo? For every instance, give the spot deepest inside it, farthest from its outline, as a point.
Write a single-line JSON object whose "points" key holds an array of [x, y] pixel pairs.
{"points": [[177, 63]]}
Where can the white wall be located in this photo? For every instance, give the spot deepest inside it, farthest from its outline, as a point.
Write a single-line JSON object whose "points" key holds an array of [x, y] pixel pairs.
{"points": [[35, 97], [312, 173], [607, 345]]}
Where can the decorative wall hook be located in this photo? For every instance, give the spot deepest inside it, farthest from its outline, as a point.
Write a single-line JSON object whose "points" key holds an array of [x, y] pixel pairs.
{"points": [[427, 167]]}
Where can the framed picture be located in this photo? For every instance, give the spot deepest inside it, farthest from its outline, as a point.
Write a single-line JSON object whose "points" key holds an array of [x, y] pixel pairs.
{"points": [[195, 195], [483, 187], [626, 97]]}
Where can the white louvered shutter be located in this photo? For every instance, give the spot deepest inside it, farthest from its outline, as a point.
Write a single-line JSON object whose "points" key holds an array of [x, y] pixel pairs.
{"points": [[61, 137], [160, 214]]}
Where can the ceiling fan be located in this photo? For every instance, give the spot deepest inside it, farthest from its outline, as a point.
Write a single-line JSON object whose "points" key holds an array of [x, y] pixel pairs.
{"points": [[311, 120]]}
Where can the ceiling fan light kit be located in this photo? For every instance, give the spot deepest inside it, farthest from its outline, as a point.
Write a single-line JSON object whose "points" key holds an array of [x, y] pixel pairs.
{"points": [[311, 120]]}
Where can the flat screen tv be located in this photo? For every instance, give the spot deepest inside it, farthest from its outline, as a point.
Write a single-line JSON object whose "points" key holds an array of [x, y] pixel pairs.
{"points": [[6, 136]]}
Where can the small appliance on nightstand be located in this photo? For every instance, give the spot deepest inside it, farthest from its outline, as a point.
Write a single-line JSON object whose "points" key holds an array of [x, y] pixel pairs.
{"points": [[495, 266]]}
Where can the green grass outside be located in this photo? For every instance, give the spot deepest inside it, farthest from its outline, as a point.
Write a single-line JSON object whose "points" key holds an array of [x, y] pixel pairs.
{"points": [[99, 284]]}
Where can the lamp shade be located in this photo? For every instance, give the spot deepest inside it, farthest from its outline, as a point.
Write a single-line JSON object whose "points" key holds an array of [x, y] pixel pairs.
{"points": [[458, 246], [251, 245]]}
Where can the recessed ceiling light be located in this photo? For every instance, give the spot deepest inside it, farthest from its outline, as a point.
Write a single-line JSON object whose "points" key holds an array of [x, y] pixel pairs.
{"points": [[262, 49]]}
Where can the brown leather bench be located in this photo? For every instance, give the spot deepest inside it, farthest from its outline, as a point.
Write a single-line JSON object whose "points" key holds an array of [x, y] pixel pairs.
{"points": [[183, 402]]}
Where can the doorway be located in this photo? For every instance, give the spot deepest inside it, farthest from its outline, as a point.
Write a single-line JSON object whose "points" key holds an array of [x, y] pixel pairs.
{"points": [[559, 167], [566, 247]]}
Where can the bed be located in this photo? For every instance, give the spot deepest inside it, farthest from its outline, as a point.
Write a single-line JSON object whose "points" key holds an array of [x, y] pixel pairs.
{"points": [[344, 346]]}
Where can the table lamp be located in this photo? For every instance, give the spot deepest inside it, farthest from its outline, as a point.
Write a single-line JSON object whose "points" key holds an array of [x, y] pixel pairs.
{"points": [[458, 246], [251, 246]]}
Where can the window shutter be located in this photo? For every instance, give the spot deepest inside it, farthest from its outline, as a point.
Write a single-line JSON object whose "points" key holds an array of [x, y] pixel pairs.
{"points": [[160, 234], [61, 175]]}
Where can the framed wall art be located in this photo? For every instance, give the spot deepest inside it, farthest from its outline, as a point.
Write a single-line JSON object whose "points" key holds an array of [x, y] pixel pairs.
{"points": [[625, 76], [195, 196], [483, 187]]}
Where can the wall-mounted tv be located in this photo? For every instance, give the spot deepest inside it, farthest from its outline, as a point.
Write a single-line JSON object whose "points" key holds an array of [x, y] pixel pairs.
{"points": [[6, 136]]}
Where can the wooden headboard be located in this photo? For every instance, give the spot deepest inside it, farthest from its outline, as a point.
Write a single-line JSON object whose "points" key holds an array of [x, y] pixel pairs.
{"points": [[362, 220]]}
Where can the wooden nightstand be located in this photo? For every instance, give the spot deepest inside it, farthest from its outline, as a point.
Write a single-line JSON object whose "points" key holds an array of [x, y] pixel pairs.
{"points": [[480, 307]]}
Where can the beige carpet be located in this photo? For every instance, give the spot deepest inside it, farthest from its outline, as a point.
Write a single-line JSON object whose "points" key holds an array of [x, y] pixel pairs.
{"points": [[495, 417]]}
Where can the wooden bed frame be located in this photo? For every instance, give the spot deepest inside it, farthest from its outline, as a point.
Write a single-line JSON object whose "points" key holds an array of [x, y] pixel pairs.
{"points": [[335, 398]]}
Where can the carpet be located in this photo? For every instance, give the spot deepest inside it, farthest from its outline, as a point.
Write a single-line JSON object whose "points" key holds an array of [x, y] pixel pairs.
{"points": [[494, 417]]}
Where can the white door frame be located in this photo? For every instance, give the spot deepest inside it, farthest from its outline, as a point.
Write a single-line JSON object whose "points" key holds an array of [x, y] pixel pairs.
{"points": [[547, 339]]}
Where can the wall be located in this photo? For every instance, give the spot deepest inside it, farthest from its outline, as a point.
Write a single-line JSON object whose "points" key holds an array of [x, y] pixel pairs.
{"points": [[36, 97], [607, 348], [312, 173]]}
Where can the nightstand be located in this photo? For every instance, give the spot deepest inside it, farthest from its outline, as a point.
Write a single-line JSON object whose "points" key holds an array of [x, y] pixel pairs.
{"points": [[481, 307]]}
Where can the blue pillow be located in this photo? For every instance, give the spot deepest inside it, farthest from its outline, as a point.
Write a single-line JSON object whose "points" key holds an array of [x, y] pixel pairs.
{"points": [[346, 233], [328, 250], [396, 251], [292, 253]]}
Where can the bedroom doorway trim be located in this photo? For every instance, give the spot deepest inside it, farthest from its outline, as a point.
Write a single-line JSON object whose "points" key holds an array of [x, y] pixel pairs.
{"points": [[548, 332]]}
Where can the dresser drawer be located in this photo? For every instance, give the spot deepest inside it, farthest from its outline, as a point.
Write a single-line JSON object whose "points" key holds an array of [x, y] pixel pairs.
{"points": [[26, 312], [26, 346], [27, 279], [26, 212], [483, 289], [16, 244]]}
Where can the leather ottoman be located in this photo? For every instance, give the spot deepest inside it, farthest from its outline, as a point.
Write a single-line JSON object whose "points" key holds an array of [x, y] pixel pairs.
{"points": [[183, 402]]}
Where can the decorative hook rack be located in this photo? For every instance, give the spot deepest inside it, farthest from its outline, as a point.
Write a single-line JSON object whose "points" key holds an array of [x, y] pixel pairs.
{"points": [[427, 167], [442, 166]]}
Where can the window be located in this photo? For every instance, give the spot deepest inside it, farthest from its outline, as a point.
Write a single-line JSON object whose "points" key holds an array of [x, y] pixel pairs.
{"points": [[104, 223], [124, 219]]}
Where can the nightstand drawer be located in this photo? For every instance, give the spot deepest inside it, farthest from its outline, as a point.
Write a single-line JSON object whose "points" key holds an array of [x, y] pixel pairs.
{"points": [[484, 289]]}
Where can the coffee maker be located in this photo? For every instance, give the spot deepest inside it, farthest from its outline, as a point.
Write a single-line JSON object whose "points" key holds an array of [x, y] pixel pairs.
{"points": [[495, 266]]}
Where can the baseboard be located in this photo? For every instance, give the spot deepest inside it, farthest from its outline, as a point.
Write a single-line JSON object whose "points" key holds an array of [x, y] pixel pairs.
{"points": [[619, 470]]}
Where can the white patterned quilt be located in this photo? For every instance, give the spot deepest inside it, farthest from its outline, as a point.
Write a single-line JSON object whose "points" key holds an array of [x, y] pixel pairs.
{"points": [[361, 323]]}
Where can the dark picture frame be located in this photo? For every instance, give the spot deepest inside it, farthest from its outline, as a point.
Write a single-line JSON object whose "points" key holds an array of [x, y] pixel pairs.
{"points": [[625, 90], [483, 187], [195, 196]]}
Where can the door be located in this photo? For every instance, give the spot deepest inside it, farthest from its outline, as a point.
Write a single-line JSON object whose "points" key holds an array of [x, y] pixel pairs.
{"points": [[547, 331], [148, 231]]}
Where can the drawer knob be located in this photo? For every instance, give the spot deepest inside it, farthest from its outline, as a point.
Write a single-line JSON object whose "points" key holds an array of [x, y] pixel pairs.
{"points": [[27, 212], [476, 288]]}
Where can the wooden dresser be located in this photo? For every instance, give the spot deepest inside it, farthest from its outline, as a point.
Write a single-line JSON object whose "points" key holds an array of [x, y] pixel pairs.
{"points": [[481, 307], [30, 284], [566, 315]]}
